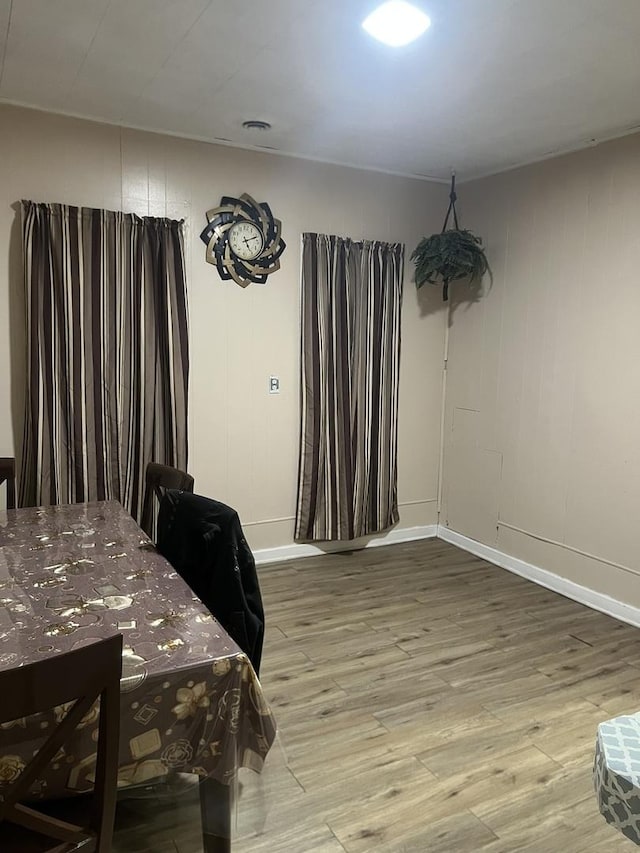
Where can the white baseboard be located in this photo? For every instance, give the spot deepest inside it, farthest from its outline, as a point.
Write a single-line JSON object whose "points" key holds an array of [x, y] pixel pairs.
{"points": [[582, 594], [295, 550]]}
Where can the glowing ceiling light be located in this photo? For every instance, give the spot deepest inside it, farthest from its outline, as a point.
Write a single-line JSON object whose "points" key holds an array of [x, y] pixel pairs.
{"points": [[396, 23]]}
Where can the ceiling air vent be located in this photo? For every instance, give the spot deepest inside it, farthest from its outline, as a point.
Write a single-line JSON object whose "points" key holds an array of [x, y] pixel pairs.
{"points": [[254, 124]]}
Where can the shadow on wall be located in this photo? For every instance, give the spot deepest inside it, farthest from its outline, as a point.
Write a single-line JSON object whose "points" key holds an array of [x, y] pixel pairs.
{"points": [[17, 339], [461, 295]]}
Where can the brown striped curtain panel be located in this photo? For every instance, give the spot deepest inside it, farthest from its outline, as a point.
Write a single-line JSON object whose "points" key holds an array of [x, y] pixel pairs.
{"points": [[351, 305], [107, 353]]}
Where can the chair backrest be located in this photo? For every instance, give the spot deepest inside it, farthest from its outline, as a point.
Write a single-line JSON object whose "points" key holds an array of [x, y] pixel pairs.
{"points": [[158, 479], [79, 677], [8, 474]]}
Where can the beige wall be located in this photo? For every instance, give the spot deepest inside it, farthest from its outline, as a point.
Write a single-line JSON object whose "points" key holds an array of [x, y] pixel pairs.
{"points": [[542, 422], [542, 418], [243, 442]]}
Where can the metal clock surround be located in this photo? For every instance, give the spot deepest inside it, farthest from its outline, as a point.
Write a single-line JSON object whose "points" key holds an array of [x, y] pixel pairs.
{"points": [[243, 240]]}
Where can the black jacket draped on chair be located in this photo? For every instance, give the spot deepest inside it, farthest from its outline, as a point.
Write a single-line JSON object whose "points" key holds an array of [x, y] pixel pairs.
{"points": [[203, 540]]}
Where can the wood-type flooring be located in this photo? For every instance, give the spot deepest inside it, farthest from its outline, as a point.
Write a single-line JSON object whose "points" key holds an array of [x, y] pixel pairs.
{"points": [[427, 702]]}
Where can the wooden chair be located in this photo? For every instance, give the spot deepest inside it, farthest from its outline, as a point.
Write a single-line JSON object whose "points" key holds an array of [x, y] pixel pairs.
{"points": [[80, 677], [8, 474], [158, 479]]}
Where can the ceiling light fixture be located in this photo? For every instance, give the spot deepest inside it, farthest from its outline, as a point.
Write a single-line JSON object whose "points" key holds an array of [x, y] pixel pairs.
{"points": [[255, 124], [396, 23]]}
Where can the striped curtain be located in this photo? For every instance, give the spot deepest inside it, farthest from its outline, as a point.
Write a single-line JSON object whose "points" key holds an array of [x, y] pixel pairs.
{"points": [[351, 304], [107, 353]]}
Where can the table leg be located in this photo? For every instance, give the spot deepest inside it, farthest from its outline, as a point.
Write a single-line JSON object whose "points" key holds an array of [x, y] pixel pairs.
{"points": [[215, 810]]}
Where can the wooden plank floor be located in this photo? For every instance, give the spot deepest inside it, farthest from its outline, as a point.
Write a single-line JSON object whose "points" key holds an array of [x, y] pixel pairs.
{"points": [[426, 701]]}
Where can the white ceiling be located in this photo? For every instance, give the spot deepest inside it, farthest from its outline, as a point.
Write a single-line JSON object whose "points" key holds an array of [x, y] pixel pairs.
{"points": [[492, 84]]}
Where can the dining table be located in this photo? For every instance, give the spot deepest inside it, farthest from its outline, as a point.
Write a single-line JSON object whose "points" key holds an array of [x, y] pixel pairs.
{"points": [[191, 702]]}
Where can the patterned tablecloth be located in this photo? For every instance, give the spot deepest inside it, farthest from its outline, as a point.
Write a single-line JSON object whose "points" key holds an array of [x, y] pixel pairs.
{"points": [[190, 699], [616, 774]]}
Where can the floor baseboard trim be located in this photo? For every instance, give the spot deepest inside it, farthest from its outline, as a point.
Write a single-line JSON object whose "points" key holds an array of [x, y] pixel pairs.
{"points": [[295, 550], [582, 594]]}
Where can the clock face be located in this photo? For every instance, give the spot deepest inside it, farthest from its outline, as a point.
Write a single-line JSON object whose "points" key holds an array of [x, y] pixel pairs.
{"points": [[246, 240]]}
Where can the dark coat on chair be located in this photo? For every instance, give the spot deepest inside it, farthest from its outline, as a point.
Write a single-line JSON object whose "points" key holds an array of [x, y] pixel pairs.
{"points": [[204, 542]]}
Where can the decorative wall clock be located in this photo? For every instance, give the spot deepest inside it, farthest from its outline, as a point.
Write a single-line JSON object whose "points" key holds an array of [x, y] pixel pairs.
{"points": [[243, 240]]}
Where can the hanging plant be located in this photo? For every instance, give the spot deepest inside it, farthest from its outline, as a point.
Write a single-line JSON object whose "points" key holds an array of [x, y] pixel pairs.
{"points": [[450, 255]]}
